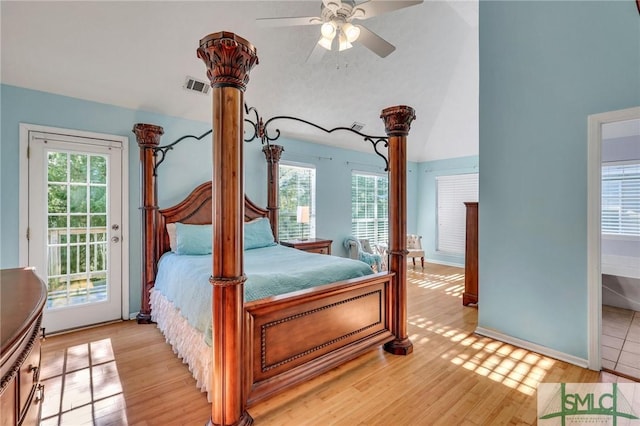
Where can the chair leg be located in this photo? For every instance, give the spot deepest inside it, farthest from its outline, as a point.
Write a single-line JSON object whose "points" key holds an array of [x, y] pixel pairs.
{"points": [[422, 261], [414, 261]]}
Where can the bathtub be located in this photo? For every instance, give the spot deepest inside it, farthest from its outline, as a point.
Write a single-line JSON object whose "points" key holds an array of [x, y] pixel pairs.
{"points": [[621, 281]]}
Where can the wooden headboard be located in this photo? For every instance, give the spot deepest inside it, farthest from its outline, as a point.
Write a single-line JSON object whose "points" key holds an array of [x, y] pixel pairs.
{"points": [[195, 209]]}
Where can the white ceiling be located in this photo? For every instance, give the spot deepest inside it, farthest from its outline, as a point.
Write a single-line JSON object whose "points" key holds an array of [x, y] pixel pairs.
{"points": [[136, 55]]}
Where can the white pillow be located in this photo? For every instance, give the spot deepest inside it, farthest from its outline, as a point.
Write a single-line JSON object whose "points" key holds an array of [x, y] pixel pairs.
{"points": [[173, 242]]}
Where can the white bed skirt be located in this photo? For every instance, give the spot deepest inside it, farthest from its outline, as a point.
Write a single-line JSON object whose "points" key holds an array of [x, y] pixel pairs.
{"points": [[187, 342]]}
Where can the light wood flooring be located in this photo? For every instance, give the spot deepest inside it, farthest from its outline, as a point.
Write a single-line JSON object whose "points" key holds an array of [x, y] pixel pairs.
{"points": [[125, 374]]}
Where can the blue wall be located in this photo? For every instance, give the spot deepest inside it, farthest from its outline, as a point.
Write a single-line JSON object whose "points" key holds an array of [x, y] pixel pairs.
{"points": [[29, 106], [186, 166], [333, 186], [544, 67], [427, 222]]}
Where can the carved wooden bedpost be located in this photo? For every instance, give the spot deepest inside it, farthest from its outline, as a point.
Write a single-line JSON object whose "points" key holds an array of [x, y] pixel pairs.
{"points": [[397, 121], [148, 137], [273, 153], [229, 59]]}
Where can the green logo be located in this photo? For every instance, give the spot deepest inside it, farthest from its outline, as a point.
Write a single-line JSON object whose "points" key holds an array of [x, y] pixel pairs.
{"points": [[584, 402]]}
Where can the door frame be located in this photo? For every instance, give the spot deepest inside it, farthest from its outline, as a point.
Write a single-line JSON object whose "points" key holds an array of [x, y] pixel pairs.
{"points": [[594, 234], [23, 203]]}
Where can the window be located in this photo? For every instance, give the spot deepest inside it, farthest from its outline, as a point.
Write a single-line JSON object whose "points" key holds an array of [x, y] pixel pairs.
{"points": [[621, 198], [451, 193], [369, 207], [297, 214]]}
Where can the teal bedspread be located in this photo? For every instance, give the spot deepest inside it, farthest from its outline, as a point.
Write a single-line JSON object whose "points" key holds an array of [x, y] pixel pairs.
{"points": [[184, 279]]}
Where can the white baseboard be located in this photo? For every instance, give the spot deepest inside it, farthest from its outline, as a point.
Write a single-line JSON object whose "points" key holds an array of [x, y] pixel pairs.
{"points": [[133, 315], [443, 262], [543, 350]]}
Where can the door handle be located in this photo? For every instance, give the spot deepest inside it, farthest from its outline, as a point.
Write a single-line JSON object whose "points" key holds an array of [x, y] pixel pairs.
{"points": [[115, 239]]}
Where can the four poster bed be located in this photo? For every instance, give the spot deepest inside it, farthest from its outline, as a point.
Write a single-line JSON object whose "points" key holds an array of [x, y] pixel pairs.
{"points": [[256, 341]]}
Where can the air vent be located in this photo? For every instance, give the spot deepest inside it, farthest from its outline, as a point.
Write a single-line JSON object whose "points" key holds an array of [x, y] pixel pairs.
{"points": [[199, 86], [357, 126]]}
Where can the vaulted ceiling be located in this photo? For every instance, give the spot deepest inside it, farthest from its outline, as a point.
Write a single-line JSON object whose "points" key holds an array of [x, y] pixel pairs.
{"points": [[137, 54]]}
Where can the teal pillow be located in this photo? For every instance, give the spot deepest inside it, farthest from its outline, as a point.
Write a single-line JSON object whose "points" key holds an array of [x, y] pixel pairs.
{"points": [[257, 233], [193, 239]]}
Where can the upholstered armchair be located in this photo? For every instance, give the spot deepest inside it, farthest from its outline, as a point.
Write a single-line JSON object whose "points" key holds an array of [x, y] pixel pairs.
{"points": [[361, 250], [414, 245]]}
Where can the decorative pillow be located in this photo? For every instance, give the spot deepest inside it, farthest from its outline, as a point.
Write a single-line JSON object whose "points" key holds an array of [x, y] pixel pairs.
{"points": [[257, 233], [193, 239], [171, 230]]}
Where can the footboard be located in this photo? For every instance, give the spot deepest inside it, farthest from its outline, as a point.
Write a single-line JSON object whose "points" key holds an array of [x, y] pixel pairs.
{"points": [[294, 337]]}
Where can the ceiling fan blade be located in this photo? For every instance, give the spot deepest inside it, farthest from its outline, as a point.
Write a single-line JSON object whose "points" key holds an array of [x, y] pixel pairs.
{"points": [[289, 22], [373, 8], [316, 54], [374, 42]]}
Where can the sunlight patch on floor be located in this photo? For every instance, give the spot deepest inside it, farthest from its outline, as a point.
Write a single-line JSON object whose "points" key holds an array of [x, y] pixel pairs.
{"points": [[82, 386], [451, 333], [450, 284], [514, 367]]}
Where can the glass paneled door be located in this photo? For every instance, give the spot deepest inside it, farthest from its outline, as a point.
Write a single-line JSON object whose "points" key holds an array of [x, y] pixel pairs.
{"points": [[74, 227]]}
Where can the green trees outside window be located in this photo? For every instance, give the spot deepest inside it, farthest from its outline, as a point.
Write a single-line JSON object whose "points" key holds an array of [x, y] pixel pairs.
{"points": [[76, 227], [297, 189], [370, 207]]}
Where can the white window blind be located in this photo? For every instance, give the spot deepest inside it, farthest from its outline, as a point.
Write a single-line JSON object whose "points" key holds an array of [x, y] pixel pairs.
{"points": [[297, 194], [369, 207], [451, 193], [621, 199]]}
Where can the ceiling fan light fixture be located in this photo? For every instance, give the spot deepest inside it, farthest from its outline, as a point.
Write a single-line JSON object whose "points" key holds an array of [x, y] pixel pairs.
{"points": [[328, 30], [343, 42], [338, 31], [351, 32]]}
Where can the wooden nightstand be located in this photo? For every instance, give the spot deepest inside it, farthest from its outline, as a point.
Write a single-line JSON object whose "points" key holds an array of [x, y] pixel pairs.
{"points": [[312, 245]]}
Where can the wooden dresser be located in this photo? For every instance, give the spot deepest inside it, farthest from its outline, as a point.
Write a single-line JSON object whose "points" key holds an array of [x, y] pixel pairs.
{"points": [[22, 299], [470, 294], [312, 245]]}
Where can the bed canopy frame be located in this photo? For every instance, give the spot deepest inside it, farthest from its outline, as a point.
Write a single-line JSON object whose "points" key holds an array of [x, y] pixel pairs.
{"points": [[252, 353]]}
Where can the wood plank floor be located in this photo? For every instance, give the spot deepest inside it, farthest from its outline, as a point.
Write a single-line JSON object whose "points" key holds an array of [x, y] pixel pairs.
{"points": [[125, 374]]}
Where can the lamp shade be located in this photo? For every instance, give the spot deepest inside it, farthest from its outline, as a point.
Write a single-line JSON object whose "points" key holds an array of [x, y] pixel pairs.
{"points": [[343, 42], [325, 42], [302, 214], [351, 32], [328, 30]]}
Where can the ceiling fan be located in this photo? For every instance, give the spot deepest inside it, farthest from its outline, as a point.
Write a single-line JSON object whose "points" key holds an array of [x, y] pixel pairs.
{"points": [[337, 26]]}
